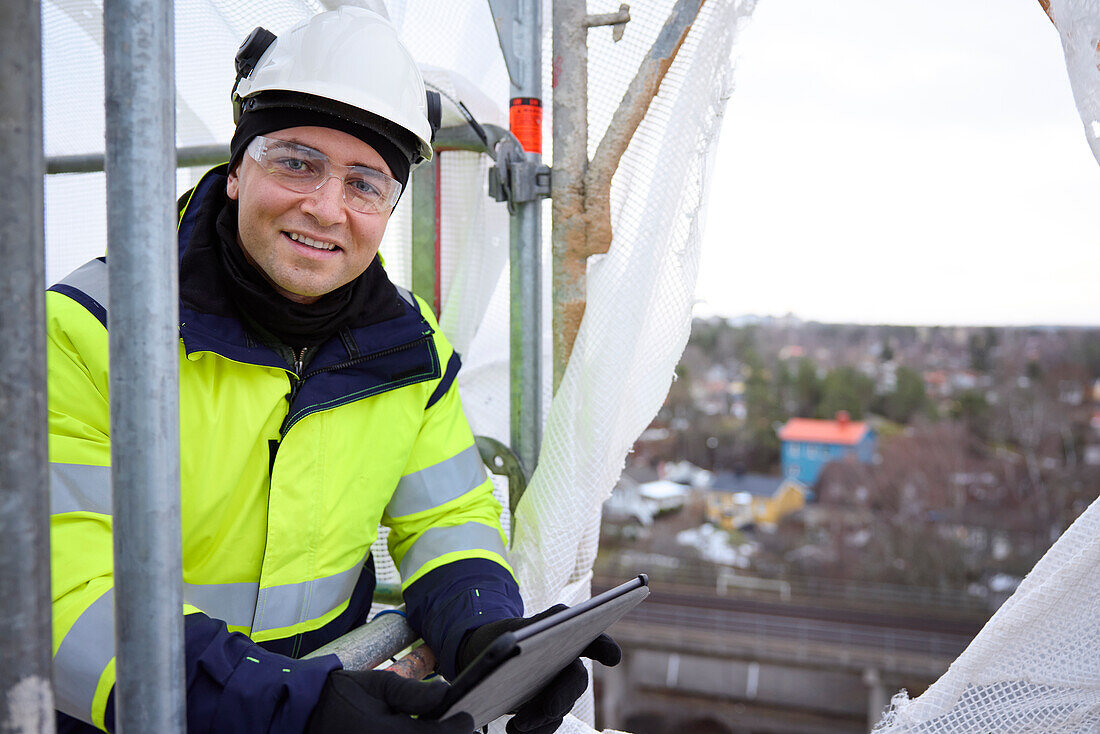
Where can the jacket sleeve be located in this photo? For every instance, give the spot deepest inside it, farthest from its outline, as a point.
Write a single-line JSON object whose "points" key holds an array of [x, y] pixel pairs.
{"points": [[233, 685], [445, 532]]}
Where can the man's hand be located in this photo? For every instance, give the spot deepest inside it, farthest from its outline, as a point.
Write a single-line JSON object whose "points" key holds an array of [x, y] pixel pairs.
{"points": [[380, 702], [543, 713]]}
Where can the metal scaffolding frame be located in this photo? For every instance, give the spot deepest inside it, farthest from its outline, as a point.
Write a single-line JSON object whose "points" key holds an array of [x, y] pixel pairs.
{"points": [[139, 96], [26, 697], [519, 30], [140, 162]]}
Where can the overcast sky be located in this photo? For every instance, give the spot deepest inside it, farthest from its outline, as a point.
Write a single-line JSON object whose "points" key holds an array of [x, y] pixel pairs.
{"points": [[903, 161]]}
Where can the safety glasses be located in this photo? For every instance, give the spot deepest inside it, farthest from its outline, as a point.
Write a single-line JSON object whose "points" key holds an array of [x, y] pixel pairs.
{"points": [[304, 170]]}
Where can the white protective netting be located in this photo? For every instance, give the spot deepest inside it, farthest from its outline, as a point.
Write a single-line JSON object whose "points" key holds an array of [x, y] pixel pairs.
{"points": [[1034, 667], [639, 294]]}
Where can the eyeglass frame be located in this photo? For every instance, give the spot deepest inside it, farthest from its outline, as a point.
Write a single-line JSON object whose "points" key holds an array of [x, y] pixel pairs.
{"points": [[259, 146]]}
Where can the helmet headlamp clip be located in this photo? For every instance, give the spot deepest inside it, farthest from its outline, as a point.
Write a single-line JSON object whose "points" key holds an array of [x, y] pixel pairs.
{"points": [[248, 55], [435, 111]]}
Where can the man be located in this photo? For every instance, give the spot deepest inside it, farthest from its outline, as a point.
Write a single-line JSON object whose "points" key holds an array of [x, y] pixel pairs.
{"points": [[316, 400]]}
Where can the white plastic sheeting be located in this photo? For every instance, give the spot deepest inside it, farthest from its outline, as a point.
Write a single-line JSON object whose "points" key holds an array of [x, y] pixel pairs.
{"points": [[639, 294], [1034, 667], [1078, 23]]}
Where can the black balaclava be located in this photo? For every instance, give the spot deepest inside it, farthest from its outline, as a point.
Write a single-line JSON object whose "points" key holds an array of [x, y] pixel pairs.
{"points": [[295, 324]]}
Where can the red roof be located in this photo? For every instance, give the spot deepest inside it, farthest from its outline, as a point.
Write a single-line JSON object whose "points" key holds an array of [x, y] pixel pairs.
{"points": [[809, 430]]}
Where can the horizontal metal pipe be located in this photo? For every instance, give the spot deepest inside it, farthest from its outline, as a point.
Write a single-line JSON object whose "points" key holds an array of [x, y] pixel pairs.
{"points": [[459, 137], [198, 155], [463, 137], [367, 647], [602, 19]]}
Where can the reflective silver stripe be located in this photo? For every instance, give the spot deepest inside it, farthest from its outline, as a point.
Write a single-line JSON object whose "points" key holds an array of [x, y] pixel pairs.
{"points": [[408, 296], [434, 542], [283, 606], [91, 279], [437, 484], [83, 655], [79, 488], [234, 604]]}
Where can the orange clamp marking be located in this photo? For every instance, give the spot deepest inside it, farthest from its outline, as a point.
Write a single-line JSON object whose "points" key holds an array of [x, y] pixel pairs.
{"points": [[525, 122]]}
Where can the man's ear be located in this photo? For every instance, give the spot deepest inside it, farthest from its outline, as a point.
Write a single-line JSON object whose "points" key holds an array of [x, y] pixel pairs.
{"points": [[232, 184]]}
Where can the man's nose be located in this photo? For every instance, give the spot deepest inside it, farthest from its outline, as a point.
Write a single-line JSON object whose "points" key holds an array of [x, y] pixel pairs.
{"points": [[326, 203]]}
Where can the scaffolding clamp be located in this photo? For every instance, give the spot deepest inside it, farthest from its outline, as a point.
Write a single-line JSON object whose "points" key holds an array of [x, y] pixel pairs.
{"points": [[517, 177]]}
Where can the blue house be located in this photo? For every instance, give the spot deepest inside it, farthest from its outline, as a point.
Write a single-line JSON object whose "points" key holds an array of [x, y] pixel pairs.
{"points": [[808, 445]]}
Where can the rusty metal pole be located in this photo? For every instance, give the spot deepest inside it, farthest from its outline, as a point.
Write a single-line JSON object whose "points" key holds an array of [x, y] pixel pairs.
{"points": [[570, 136], [582, 190], [26, 697]]}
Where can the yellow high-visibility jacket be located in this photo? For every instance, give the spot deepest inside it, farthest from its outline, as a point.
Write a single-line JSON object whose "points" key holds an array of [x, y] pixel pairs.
{"points": [[284, 477]]}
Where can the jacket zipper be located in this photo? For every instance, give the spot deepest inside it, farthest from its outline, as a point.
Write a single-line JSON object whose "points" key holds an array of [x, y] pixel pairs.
{"points": [[296, 379], [373, 355]]}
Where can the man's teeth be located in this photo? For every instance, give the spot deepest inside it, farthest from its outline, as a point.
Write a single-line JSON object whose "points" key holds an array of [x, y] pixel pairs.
{"points": [[311, 242]]}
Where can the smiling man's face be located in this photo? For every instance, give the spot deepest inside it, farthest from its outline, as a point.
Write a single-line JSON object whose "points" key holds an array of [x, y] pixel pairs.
{"points": [[307, 245]]}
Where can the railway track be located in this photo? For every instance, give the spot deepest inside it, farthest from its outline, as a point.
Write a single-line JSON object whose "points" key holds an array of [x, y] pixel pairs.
{"points": [[800, 622]]}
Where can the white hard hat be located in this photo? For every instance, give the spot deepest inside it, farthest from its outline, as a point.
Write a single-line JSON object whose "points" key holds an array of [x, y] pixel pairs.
{"points": [[350, 56]]}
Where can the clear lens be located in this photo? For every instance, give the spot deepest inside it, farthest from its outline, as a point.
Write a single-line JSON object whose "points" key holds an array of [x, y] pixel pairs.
{"points": [[303, 169]]}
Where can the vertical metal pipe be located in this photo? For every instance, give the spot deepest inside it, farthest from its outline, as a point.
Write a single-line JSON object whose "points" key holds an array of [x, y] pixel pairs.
{"points": [[144, 357], [425, 232], [526, 256], [570, 135], [26, 698]]}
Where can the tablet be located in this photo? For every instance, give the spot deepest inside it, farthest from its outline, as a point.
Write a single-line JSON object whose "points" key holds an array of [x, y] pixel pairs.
{"points": [[517, 664]]}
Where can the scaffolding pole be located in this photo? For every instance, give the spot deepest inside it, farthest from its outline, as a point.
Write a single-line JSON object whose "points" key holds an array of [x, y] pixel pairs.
{"points": [[526, 259], [519, 28], [26, 697], [144, 358], [568, 229], [581, 190]]}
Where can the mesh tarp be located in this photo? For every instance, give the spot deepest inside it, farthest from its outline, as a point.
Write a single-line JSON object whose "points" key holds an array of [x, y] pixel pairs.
{"points": [[1033, 667], [639, 294]]}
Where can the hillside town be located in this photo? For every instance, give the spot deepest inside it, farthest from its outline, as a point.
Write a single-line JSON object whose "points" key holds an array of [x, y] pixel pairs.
{"points": [[935, 462]]}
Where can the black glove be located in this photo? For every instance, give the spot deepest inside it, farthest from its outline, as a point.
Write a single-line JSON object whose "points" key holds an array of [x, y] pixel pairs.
{"points": [[543, 712], [380, 702]]}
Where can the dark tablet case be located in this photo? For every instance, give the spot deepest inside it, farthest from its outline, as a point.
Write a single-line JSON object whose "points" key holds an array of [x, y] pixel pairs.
{"points": [[517, 664]]}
